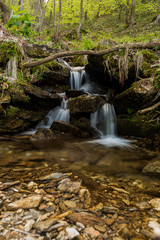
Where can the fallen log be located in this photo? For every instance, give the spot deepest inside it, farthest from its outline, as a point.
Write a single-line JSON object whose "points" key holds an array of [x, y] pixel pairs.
{"points": [[149, 109], [148, 45]]}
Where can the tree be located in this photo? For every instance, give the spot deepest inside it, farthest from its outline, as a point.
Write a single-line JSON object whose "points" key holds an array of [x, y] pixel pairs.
{"points": [[4, 12], [81, 20], [132, 15]]}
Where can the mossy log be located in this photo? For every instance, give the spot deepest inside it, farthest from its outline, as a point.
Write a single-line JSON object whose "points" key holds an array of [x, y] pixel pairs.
{"points": [[91, 52]]}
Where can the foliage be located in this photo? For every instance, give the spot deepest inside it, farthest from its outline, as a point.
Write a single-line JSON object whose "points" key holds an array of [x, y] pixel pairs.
{"points": [[20, 21]]}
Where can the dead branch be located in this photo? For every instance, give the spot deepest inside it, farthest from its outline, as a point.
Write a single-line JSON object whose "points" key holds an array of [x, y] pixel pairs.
{"points": [[91, 52], [149, 109]]}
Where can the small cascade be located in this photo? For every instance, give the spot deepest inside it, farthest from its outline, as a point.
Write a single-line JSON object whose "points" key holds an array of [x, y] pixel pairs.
{"points": [[11, 68], [104, 120], [60, 113], [76, 77]]}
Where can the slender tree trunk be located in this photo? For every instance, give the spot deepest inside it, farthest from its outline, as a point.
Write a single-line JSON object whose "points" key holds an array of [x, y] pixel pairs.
{"points": [[86, 12], [81, 20], [99, 8], [4, 11], [42, 14], [127, 13], [50, 17], [54, 20], [59, 21], [21, 2], [132, 15]]}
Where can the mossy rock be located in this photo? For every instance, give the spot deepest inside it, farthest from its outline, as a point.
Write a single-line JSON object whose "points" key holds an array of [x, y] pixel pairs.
{"points": [[42, 134], [2, 111], [139, 95], [18, 96], [9, 49], [84, 104], [38, 51], [6, 99], [133, 126]]}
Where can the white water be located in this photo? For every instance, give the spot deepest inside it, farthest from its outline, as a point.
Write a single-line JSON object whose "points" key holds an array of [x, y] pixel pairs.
{"points": [[104, 120], [60, 113], [76, 76], [11, 69]]}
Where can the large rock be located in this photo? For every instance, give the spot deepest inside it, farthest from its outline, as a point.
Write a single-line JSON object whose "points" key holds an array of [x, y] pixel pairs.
{"points": [[42, 135], [32, 201], [37, 51], [152, 167], [64, 127], [136, 97], [84, 104]]}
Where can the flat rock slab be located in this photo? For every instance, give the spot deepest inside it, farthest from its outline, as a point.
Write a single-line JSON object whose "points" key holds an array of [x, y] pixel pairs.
{"points": [[32, 201], [85, 218]]}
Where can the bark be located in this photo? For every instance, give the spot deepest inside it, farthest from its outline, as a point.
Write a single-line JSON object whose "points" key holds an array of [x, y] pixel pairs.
{"points": [[132, 15], [42, 14], [150, 109], [127, 13], [59, 21], [91, 52], [21, 2], [4, 12], [81, 20]]}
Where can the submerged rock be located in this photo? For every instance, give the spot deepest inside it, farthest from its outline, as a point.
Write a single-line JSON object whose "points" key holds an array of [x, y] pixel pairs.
{"points": [[42, 134], [152, 167], [32, 201], [66, 185]]}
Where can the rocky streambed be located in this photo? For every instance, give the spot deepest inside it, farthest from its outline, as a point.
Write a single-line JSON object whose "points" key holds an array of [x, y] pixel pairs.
{"points": [[71, 189]]}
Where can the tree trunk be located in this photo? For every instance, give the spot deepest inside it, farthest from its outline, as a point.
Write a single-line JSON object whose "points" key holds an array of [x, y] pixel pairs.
{"points": [[127, 13], [149, 45], [4, 12], [59, 21], [54, 20], [81, 20], [41, 14], [99, 8], [21, 3], [132, 15]]}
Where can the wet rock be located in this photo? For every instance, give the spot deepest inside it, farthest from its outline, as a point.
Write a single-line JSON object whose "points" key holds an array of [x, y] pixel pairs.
{"points": [[152, 167], [72, 233], [134, 98], [42, 134], [64, 127], [66, 185], [155, 202], [37, 51], [94, 234], [32, 201], [70, 204], [54, 176], [85, 218], [84, 104], [28, 225], [85, 198], [5, 100], [74, 93]]}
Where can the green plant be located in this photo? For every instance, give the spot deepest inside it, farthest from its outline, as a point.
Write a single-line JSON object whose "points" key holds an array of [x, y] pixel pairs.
{"points": [[20, 21]]}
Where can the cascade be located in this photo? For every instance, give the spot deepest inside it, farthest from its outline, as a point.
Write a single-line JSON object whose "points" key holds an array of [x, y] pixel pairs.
{"points": [[11, 68], [76, 77], [104, 120], [60, 113]]}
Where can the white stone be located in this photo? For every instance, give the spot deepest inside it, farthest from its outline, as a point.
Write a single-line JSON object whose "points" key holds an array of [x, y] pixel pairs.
{"points": [[155, 202], [28, 226], [72, 233]]}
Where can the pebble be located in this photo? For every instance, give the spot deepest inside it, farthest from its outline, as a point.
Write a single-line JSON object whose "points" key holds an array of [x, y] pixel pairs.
{"points": [[155, 202], [28, 225], [94, 234], [66, 185], [72, 233]]}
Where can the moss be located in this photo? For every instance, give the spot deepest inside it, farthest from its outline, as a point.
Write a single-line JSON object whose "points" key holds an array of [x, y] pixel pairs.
{"points": [[10, 111], [146, 69], [149, 56], [9, 49]]}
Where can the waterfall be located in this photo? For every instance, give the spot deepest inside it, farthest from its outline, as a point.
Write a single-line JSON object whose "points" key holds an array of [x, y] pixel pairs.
{"points": [[104, 120], [60, 113], [11, 68], [76, 77]]}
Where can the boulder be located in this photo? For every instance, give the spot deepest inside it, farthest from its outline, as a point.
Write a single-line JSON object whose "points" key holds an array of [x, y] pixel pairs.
{"points": [[152, 167], [37, 51], [64, 127], [136, 97], [42, 134], [84, 104], [74, 93]]}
